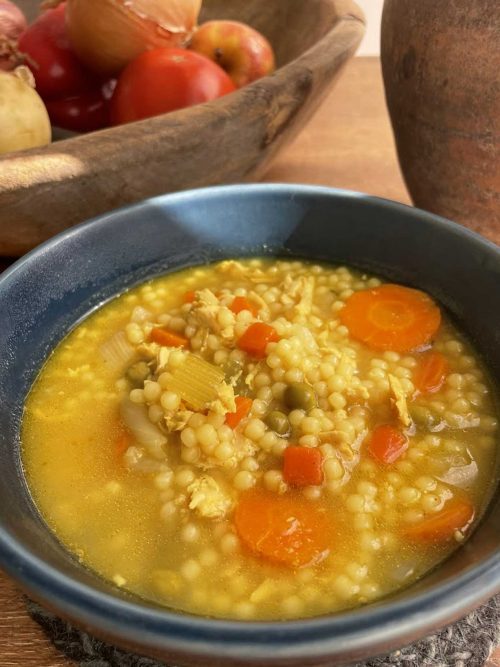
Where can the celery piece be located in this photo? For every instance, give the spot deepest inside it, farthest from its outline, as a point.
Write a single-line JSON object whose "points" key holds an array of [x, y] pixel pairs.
{"points": [[197, 382]]}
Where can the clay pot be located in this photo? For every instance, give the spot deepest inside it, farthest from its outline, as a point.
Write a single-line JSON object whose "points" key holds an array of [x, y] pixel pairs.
{"points": [[441, 65]]}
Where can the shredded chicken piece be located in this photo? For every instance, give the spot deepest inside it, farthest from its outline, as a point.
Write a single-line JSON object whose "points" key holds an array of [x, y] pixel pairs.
{"points": [[358, 391], [205, 308], [249, 379], [224, 402], [305, 305], [162, 357], [333, 436], [233, 267], [237, 270], [177, 420], [300, 289], [257, 299], [346, 451], [233, 377], [204, 312], [148, 350], [398, 400], [325, 346], [208, 499]]}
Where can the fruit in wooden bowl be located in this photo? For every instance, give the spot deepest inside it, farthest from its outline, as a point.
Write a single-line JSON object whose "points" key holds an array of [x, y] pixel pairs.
{"points": [[239, 49], [43, 191]]}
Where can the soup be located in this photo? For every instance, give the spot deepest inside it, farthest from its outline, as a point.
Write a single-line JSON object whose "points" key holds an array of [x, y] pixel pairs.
{"points": [[262, 439]]}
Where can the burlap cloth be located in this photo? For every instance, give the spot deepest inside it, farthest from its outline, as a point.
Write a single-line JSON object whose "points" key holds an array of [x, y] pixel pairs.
{"points": [[467, 643]]}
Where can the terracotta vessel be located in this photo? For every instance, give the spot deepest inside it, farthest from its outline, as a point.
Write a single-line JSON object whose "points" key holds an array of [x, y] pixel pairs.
{"points": [[441, 65]]}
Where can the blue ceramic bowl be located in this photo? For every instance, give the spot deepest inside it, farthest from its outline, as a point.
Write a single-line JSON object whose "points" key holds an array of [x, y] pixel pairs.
{"points": [[51, 289]]}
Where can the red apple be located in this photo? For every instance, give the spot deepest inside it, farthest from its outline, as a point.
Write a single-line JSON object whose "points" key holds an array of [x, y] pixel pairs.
{"points": [[244, 53]]}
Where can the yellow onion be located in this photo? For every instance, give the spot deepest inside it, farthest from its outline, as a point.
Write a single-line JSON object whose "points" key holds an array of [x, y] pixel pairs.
{"points": [[24, 121], [107, 34]]}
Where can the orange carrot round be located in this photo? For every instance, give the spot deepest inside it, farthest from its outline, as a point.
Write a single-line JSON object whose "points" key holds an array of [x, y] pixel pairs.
{"points": [[256, 338], [457, 514], [391, 317], [387, 444], [242, 303], [168, 338], [190, 296], [287, 530], [243, 407], [430, 373], [122, 444], [302, 466]]}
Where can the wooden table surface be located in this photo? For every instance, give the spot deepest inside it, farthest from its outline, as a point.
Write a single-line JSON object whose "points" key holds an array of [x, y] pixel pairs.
{"points": [[348, 144]]}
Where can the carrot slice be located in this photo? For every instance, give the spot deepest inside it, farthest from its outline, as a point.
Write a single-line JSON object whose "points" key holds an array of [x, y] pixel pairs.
{"points": [[243, 407], [190, 296], [387, 444], [286, 530], [391, 317], [122, 444], [431, 372], [302, 466], [457, 514], [256, 338], [168, 338], [242, 303]]}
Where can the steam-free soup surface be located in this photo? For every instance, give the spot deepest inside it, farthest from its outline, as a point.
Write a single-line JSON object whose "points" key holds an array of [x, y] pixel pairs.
{"points": [[262, 439]]}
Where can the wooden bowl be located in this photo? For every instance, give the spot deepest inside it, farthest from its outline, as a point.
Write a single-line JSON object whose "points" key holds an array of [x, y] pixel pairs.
{"points": [[43, 191]]}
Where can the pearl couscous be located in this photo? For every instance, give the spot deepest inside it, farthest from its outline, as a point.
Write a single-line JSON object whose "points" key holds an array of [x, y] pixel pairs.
{"points": [[262, 439]]}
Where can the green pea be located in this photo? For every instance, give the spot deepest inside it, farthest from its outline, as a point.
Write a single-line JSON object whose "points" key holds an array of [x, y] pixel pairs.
{"points": [[137, 373], [278, 422], [300, 396], [423, 417]]}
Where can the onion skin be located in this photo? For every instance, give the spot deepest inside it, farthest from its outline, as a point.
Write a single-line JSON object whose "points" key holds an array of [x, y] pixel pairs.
{"points": [[12, 20], [108, 34], [24, 121], [12, 24]]}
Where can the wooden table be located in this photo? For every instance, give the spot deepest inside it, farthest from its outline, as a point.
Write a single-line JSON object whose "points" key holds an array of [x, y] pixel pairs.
{"points": [[349, 145]]}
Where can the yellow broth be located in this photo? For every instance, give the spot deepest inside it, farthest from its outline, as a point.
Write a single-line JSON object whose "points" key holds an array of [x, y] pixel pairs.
{"points": [[131, 510]]}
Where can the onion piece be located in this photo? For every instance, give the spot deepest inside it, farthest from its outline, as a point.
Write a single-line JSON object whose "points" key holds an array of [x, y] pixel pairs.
{"points": [[24, 121], [460, 475], [117, 351], [135, 418], [12, 24], [108, 34], [136, 460]]}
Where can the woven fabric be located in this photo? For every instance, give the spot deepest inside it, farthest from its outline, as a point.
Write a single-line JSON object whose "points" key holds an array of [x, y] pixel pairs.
{"points": [[467, 643]]}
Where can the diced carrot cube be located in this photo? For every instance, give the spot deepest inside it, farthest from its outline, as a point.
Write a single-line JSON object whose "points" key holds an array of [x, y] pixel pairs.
{"points": [[302, 466]]}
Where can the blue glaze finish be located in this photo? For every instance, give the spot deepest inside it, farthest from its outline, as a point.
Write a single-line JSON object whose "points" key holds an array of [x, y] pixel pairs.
{"points": [[46, 293]]}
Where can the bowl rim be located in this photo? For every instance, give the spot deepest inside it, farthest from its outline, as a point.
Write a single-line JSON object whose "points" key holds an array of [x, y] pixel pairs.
{"points": [[250, 642]]}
